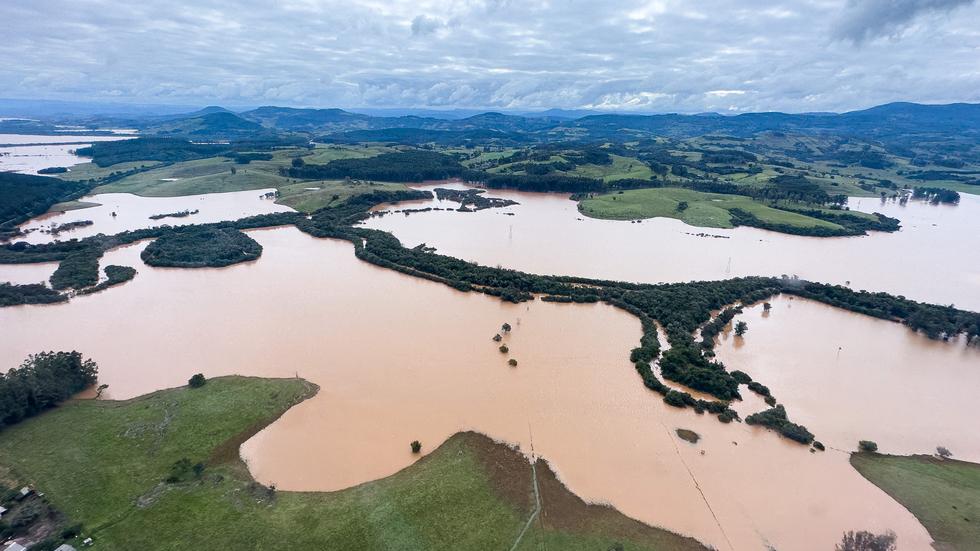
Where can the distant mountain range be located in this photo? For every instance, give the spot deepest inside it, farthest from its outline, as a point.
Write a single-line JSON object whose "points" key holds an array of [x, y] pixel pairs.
{"points": [[891, 122]]}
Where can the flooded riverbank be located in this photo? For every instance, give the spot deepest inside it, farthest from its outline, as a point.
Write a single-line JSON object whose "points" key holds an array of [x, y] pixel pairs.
{"points": [[30, 153], [399, 358], [849, 377], [119, 212], [927, 260]]}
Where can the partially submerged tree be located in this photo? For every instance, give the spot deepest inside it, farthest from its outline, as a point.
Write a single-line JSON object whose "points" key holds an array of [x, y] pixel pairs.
{"points": [[416, 446], [740, 328], [868, 541], [196, 381], [867, 446]]}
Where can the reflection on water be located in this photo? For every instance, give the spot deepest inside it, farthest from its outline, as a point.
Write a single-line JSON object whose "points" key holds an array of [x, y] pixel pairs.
{"points": [[930, 259], [399, 358], [133, 212], [15, 156], [849, 377]]}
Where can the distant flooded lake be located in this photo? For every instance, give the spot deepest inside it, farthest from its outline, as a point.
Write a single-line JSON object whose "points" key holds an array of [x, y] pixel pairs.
{"points": [[133, 212], [16, 156], [931, 259], [399, 358]]}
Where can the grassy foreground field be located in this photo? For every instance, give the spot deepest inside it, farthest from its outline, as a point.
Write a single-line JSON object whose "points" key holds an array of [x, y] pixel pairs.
{"points": [[943, 494], [102, 463], [710, 210]]}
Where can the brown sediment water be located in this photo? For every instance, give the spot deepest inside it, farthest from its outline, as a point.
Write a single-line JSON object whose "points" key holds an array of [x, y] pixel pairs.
{"points": [[849, 377], [29, 153], [929, 259], [133, 212], [22, 274], [399, 359]]}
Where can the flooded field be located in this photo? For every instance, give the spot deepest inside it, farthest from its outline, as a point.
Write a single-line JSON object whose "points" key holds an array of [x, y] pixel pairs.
{"points": [[929, 259], [849, 377], [28, 153], [133, 212], [399, 359]]}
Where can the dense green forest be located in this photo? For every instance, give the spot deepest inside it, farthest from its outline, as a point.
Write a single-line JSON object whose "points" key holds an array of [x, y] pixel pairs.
{"points": [[41, 382], [201, 247], [23, 196], [405, 166]]}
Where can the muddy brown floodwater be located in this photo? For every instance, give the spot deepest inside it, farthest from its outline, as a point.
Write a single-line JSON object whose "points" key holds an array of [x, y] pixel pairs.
{"points": [[399, 359], [133, 212], [930, 259], [849, 377]]}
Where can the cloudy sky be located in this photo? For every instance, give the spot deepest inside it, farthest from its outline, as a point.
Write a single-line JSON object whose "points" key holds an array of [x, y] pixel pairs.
{"points": [[651, 56]]}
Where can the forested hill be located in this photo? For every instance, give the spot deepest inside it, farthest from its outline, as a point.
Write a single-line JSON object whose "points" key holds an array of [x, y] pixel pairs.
{"points": [[893, 123]]}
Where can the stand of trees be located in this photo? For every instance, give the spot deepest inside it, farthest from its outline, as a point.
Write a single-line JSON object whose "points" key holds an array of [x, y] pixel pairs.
{"points": [[200, 247], [43, 381], [23, 196], [34, 293], [405, 166], [776, 419]]}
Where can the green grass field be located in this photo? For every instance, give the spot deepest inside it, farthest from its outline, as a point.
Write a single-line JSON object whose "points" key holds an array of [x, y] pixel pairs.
{"points": [[620, 168], [87, 171], [102, 463], [943, 494], [710, 210], [72, 205], [212, 175], [309, 196]]}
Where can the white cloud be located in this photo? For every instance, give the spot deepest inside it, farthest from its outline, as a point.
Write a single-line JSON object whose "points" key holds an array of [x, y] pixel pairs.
{"points": [[498, 54]]}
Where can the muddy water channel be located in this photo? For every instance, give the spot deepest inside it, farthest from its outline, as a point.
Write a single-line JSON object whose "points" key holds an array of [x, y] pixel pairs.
{"points": [[119, 212], [930, 259], [399, 359], [849, 377]]}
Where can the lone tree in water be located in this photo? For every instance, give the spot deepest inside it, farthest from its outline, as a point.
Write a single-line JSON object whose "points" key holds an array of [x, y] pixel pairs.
{"points": [[512, 362], [766, 306], [740, 328], [504, 349], [868, 541], [416, 446], [197, 381], [505, 328], [497, 337]]}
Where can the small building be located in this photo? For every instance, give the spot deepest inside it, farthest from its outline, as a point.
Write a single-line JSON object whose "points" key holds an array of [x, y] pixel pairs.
{"points": [[65, 547], [14, 546], [24, 492], [2, 511]]}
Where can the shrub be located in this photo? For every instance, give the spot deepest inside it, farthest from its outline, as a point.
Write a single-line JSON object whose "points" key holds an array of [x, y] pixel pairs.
{"points": [[818, 445], [867, 446], [416, 446], [70, 532], [675, 398], [742, 377], [943, 452], [197, 381]]}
